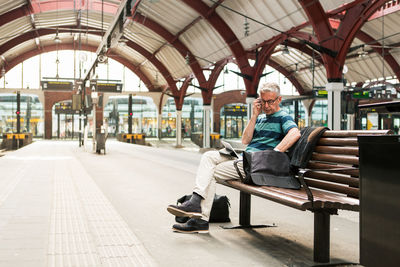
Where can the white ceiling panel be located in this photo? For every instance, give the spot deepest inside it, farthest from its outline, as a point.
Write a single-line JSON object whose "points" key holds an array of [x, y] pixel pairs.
{"points": [[330, 5], [269, 18], [144, 37], [133, 56], [54, 19], [7, 5], [171, 14], [151, 71], [13, 29], [205, 43], [174, 62]]}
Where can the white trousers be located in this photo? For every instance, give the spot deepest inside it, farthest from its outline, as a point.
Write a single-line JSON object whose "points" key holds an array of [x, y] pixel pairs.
{"points": [[213, 167]]}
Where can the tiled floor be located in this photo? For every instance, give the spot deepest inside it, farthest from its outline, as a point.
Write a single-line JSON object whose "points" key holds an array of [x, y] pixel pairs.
{"points": [[63, 206]]}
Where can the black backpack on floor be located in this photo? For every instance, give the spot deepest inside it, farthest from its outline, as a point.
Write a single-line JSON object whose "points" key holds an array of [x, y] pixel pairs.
{"points": [[219, 210]]}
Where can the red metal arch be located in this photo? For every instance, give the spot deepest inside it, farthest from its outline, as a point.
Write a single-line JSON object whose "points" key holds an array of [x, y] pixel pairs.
{"points": [[212, 80], [270, 45], [354, 19], [229, 37], [72, 46], [288, 74], [163, 70], [182, 93]]}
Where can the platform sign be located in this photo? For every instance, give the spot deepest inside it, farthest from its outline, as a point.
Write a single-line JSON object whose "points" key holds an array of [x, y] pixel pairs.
{"points": [[78, 85], [57, 85], [109, 87], [93, 86], [64, 107], [235, 110], [320, 93]]}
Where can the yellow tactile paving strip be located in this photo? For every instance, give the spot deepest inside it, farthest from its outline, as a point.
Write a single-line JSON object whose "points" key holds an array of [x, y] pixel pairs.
{"points": [[85, 229]]}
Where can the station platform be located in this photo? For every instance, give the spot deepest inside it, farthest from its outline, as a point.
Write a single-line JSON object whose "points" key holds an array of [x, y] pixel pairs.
{"points": [[63, 206]]}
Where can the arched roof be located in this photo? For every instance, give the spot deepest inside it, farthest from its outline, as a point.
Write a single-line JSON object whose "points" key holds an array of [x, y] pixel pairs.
{"points": [[165, 35]]}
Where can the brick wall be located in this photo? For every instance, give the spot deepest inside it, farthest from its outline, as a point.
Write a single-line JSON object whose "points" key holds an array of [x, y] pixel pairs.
{"points": [[51, 98], [229, 97]]}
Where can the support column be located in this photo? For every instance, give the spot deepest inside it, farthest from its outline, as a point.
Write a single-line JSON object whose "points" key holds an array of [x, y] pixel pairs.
{"points": [[140, 123], [334, 104], [178, 128], [94, 102], [308, 116], [159, 125], [130, 114], [212, 117], [249, 102], [18, 112], [206, 125]]}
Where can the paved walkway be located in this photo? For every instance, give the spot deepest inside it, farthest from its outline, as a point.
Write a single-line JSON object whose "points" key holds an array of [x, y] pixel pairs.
{"points": [[62, 206]]}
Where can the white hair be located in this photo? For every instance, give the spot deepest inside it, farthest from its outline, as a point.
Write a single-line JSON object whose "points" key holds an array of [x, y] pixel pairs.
{"points": [[270, 87]]}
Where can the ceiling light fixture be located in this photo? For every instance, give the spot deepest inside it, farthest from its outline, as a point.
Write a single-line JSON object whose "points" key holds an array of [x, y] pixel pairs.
{"points": [[187, 58], [285, 50], [246, 27], [362, 53], [122, 41], [57, 38]]}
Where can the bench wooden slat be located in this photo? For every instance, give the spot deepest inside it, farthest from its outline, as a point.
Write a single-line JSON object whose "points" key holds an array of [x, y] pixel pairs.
{"points": [[337, 150], [319, 165], [335, 200], [350, 191], [262, 191], [327, 141], [298, 198], [351, 160], [335, 178], [354, 133]]}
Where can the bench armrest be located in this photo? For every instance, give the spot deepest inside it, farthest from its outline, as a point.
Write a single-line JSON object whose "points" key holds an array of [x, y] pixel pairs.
{"points": [[301, 173]]}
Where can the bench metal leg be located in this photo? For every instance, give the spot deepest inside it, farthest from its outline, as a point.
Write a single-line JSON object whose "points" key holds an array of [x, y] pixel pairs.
{"points": [[321, 236], [244, 214], [244, 209]]}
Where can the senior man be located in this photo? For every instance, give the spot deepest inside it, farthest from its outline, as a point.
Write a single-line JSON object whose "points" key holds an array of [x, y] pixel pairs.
{"points": [[274, 129]]}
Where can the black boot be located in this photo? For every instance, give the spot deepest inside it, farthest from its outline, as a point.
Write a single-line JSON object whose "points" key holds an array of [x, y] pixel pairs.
{"points": [[190, 208], [192, 226]]}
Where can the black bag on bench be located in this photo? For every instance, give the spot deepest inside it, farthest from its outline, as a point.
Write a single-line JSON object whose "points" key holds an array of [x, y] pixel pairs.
{"points": [[219, 210], [267, 167]]}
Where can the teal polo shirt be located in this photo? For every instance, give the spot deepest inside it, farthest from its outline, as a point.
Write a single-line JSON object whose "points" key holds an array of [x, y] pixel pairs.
{"points": [[270, 130]]}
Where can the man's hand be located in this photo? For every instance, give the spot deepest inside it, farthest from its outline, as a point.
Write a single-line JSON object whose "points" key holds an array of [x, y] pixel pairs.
{"points": [[248, 131], [257, 107]]}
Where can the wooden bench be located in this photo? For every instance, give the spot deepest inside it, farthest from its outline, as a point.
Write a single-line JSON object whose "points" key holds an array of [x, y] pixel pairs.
{"points": [[329, 183]]}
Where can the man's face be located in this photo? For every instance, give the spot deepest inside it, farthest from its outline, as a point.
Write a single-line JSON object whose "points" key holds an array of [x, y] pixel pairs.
{"points": [[270, 102]]}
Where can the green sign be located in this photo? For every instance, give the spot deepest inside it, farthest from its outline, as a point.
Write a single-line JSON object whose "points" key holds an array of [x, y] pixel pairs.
{"points": [[361, 95], [321, 93]]}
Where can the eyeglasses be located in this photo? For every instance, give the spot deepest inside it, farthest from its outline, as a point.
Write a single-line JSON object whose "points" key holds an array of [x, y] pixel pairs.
{"points": [[269, 102]]}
